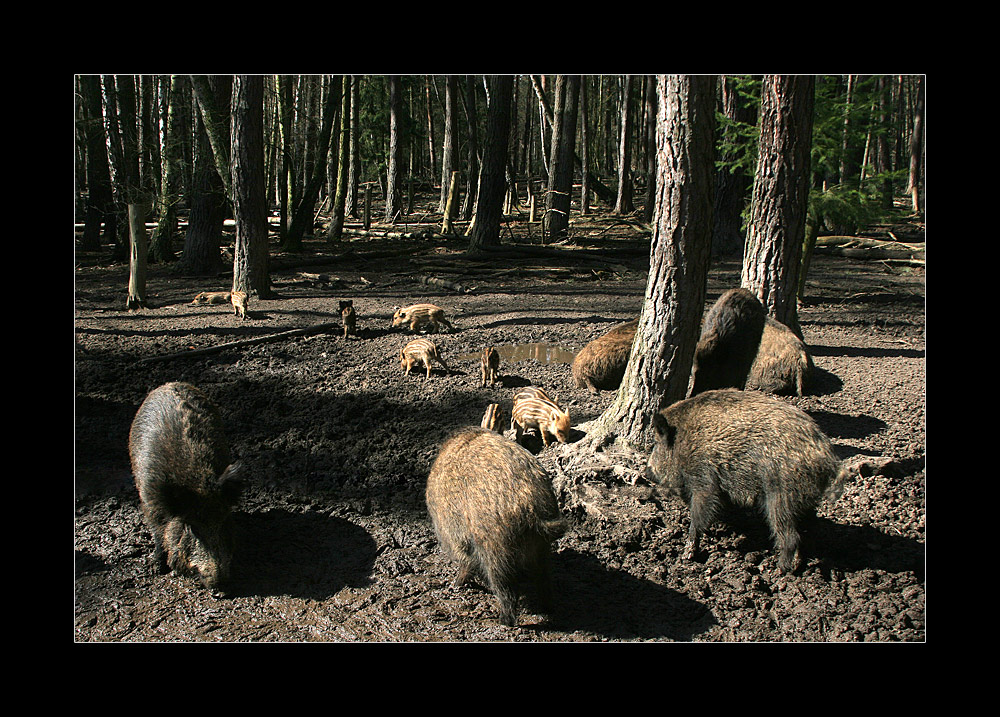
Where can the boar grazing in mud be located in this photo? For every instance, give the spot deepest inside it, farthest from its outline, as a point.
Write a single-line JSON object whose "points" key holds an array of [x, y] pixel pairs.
{"points": [[419, 316], [186, 481], [212, 297], [745, 449], [492, 418], [239, 301], [420, 353], [534, 409], [783, 363], [600, 365], [490, 362], [495, 515], [729, 339], [349, 318]]}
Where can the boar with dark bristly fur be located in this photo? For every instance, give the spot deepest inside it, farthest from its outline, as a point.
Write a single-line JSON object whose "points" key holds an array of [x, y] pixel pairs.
{"points": [[600, 365], [420, 353], [419, 316], [186, 481], [349, 317], [745, 449], [728, 344], [783, 363], [490, 363], [495, 515], [533, 409]]}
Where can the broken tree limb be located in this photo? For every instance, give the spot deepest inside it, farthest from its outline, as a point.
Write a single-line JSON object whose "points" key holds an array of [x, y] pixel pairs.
{"points": [[305, 331], [867, 248]]}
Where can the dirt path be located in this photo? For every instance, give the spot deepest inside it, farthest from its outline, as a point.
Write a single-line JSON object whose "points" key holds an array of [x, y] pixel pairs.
{"points": [[334, 542]]}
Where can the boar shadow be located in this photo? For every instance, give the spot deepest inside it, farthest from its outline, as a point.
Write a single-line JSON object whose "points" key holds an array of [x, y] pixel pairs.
{"points": [[837, 425], [307, 555], [613, 603], [851, 548]]}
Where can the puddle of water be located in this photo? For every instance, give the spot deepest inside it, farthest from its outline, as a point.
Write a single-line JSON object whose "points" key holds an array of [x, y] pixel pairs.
{"points": [[541, 352]]}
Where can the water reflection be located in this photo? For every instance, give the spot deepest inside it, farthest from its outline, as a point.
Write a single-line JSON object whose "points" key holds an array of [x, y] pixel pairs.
{"points": [[541, 352]]}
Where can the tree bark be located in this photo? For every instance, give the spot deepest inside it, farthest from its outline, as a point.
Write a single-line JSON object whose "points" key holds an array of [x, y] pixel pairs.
{"points": [[780, 196], [100, 204], [337, 213], [162, 243], [393, 197], [302, 219], [916, 148], [623, 201], [450, 138], [472, 154], [138, 253], [250, 265], [662, 354], [216, 119], [210, 203], [353, 152], [493, 183], [563, 144]]}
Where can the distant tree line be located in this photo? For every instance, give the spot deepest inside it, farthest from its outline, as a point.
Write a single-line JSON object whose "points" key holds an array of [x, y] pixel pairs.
{"points": [[166, 143]]}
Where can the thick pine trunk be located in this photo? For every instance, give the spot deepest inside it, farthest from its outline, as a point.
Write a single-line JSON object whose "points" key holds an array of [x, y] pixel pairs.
{"points": [[780, 196], [662, 354], [250, 265], [493, 181]]}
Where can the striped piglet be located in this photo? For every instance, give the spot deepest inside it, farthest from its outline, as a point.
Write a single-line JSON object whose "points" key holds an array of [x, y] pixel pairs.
{"points": [[420, 352], [534, 409]]}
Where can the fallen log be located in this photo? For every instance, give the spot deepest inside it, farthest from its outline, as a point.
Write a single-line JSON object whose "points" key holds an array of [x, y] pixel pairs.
{"points": [[306, 330]]}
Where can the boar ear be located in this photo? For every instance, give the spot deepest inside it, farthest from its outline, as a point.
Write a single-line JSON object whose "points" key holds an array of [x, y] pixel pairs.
{"points": [[664, 431]]}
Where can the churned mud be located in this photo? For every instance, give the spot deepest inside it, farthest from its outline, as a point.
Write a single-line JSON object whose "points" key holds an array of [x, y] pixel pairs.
{"points": [[334, 540]]}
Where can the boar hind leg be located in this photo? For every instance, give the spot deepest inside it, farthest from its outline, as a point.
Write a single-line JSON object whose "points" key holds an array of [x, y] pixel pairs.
{"points": [[781, 518], [704, 507]]}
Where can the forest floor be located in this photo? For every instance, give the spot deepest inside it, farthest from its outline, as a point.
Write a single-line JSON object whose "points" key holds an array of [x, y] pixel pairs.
{"points": [[333, 538]]}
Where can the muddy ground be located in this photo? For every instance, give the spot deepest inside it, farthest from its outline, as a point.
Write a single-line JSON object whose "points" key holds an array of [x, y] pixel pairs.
{"points": [[334, 541]]}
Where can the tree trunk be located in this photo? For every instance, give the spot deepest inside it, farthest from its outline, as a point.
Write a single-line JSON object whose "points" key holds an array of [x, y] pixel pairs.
{"points": [[250, 265], [431, 152], [335, 230], [285, 110], [585, 153], [100, 205], [210, 205], [216, 119], [393, 197], [450, 138], [472, 155], [659, 366], [780, 196], [916, 148], [623, 202], [302, 219], [650, 145], [138, 252], [493, 183], [563, 144], [732, 183], [162, 243], [353, 153]]}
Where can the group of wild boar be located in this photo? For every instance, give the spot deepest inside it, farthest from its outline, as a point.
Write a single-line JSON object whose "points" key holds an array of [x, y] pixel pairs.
{"points": [[489, 499]]}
